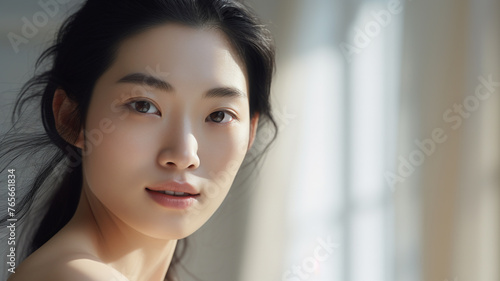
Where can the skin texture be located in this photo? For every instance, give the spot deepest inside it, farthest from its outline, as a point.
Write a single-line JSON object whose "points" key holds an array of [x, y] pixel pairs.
{"points": [[118, 231]]}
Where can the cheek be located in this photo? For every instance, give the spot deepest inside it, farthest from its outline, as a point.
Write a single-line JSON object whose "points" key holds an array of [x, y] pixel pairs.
{"points": [[221, 156], [220, 151], [117, 158]]}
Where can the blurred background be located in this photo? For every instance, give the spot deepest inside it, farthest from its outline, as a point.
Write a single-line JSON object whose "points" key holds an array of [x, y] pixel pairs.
{"points": [[386, 167]]}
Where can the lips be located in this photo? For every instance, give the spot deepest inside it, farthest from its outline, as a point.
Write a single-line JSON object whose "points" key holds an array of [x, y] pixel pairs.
{"points": [[174, 188], [174, 195]]}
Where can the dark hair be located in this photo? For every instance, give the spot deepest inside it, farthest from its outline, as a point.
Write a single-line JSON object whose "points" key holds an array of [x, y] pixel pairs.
{"points": [[85, 47]]}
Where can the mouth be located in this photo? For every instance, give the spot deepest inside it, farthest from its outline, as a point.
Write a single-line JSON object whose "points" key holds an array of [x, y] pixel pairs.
{"points": [[182, 197], [173, 193]]}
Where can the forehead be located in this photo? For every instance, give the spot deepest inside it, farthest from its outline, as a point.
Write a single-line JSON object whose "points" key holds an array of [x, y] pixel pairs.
{"points": [[182, 53]]}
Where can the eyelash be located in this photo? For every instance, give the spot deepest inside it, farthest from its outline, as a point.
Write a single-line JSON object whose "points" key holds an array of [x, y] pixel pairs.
{"points": [[132, 107]]}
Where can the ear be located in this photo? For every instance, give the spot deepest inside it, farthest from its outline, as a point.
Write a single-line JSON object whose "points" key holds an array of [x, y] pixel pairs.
{"points": [[254, 123], [63, 107]]}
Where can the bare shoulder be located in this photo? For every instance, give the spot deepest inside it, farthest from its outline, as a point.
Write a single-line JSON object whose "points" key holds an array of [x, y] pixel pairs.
{"points": [[74, 269], [86, 270], [67, 256]]}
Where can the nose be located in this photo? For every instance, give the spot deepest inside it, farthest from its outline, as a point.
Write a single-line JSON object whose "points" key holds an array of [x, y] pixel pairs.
{"points": [[180, 151]]}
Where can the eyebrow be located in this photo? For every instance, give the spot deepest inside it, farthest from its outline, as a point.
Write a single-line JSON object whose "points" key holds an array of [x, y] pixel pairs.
{"points": [[149, 80]]}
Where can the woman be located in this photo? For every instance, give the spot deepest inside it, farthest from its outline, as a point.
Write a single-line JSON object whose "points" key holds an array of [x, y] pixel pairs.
{"points": [[148, 103]]}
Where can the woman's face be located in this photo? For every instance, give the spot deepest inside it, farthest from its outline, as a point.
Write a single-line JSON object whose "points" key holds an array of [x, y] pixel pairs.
{"points": [[173, 106]]}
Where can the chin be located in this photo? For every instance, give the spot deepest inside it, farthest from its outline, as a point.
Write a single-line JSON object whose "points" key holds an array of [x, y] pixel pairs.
{"points": [[172, 228]]}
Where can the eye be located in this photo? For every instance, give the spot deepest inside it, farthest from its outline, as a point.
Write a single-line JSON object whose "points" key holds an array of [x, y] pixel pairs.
{"points": [[221, 117], [143, 106]]}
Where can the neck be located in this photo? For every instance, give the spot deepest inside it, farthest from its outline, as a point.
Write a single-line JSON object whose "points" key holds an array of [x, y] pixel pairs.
{"points": [[134, 254]]}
